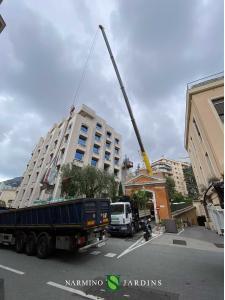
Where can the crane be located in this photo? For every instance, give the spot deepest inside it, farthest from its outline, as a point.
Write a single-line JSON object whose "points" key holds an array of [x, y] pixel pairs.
{"points": [[143, 152]]}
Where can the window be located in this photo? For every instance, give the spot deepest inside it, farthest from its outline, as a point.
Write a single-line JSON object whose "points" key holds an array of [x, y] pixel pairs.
{"points": [[96, 149], [70, 125], [84, 128], [219, 106], [94, 162], [116, 172], [46, 147], [107, 155], [82, 140], [196, 127], [106, 167], [97, 137], [108, 145], [117, 141], [62, 153], [117, 151], [98, 126], [66, 138], [109, 134], [56, 141], [79, 155], [116, 161]]}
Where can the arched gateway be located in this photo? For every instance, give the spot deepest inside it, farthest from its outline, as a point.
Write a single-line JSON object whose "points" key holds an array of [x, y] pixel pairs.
{"points": [[155, 185]]}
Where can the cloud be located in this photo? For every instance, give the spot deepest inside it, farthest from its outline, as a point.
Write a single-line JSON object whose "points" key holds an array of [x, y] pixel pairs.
{"points": [[159, 46]]}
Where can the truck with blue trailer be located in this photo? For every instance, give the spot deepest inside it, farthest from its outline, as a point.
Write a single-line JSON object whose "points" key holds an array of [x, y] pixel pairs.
{"points": [[68, 225]]}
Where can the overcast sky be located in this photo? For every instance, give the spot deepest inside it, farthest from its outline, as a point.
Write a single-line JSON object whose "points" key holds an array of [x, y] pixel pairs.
{"points": [[159, 45]]}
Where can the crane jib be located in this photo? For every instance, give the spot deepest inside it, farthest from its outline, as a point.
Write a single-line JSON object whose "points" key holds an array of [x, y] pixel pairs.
{"points": [[144, 154]]}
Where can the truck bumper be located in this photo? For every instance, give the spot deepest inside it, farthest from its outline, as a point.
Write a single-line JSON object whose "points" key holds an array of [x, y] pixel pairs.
{"points": [[118, 229]]}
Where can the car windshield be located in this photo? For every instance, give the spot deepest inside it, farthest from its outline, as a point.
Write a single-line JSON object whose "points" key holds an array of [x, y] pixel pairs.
{"points": [[117, 209]]}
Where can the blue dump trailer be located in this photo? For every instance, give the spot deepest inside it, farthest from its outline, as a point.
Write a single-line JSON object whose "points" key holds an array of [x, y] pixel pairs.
{"points": [[68, 225]]}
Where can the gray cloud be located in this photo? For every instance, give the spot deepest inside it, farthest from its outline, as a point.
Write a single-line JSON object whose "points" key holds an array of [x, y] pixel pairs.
{"points": [[159, 46]]}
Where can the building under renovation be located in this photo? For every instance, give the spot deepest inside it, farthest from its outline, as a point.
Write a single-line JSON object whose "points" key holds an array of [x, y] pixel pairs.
{"points": [[83, 138]]}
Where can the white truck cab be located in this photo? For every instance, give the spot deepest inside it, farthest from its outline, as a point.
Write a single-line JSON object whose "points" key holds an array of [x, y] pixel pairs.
{"points": [[121, 218]]}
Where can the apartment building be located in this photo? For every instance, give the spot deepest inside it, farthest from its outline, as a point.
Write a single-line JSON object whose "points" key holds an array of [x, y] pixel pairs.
{"points": [[83, 138], [174, 169], [204, 128], [204, 139]]}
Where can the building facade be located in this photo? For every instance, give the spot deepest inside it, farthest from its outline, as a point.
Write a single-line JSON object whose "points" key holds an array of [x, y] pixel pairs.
{"points": [[174, 169], [204, 141], [204, 129], [84, 139], [7, 196]]}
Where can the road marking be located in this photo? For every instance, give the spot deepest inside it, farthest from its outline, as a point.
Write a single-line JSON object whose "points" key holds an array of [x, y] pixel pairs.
{"points": [[133, 245], [95, 252], [180, 232], [74, 291], [12, 270], [140, 245], [110, 254], [102, 244]]}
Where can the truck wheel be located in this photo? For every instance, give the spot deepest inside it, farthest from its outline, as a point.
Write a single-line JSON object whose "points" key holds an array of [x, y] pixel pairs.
{"points": [[42, 247], [20, 242], [30, 247], [45, 245]]}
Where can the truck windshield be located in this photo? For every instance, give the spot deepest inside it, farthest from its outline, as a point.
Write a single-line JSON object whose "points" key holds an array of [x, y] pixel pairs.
{"points": [[117, 209]]}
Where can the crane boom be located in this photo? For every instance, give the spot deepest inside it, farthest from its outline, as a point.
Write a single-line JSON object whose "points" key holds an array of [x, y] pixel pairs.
{"points": [[144, 154]]}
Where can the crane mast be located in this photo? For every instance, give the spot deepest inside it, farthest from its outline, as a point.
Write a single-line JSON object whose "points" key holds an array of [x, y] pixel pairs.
{"points": [[143, 153]]}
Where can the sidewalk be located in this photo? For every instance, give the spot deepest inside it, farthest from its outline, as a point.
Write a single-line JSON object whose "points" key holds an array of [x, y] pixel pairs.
{"points": [[196, 237]]}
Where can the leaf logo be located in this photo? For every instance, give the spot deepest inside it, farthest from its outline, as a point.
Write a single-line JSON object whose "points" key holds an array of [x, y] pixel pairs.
{"points": [[113, 282]]}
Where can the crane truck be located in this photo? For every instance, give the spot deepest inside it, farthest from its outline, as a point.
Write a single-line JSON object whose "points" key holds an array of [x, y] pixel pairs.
{"points": [[124, 216]]}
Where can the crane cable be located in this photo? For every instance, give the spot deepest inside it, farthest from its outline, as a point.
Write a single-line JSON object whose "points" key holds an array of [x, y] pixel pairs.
{"points": [[83, 74]]}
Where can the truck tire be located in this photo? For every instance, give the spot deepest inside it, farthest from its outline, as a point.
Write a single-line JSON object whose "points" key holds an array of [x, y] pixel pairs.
{"points": [[20, 242], [30, 247], [45, 245]]}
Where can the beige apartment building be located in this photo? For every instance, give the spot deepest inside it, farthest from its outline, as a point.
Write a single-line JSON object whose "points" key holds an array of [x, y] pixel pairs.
{"points": [[84, 139], [174, 169], [204, 132]]}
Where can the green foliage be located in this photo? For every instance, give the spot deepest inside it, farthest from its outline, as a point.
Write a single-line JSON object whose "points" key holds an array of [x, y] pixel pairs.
{"points": [[191, 184], [170, 185], [120, 193], [142, 197], [88, 181]]}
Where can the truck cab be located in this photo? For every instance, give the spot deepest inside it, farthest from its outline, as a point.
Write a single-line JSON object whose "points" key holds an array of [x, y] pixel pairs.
{"points": [[121, 219]]}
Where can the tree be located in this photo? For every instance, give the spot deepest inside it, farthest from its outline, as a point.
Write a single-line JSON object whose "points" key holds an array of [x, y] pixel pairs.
{"points": [[141, 197], [170, 185], [120, 192], [191, 183], [88, 181]]}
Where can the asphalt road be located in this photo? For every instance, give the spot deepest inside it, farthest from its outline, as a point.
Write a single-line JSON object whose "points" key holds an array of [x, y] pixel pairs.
{"points": [[181, 272]]}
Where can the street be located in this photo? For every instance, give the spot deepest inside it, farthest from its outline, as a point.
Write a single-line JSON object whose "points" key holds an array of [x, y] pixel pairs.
{"points": [[194, 271]]}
